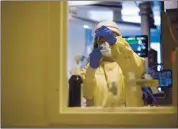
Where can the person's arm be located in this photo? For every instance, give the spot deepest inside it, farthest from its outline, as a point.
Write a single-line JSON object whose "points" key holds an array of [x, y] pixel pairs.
{"points": [[89, 82], [88, 74], [127, 59], [122, 53]]}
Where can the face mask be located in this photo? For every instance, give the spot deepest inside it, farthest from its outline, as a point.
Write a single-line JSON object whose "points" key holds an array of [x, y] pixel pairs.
{"points": [[106, 50]]}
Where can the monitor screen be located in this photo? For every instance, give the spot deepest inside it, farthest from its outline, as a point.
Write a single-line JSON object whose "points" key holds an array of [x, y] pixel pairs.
{"points": [[139, 44], [164, 77]]}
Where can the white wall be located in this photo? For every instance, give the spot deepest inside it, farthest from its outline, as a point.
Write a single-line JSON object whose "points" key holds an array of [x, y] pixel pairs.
{"points": [[128, 30], [76, 39], [171, 4]]}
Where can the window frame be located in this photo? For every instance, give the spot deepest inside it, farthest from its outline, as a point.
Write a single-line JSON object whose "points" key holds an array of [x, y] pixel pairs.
{"points": [[60, 114]]}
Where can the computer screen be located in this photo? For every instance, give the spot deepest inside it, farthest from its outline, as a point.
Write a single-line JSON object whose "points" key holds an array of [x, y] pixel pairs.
{"points": [[164, 77], [139, 44]]}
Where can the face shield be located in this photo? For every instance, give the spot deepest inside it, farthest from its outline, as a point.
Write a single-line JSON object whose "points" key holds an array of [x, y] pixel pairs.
{"points": [[98, 41], [106, 50]]}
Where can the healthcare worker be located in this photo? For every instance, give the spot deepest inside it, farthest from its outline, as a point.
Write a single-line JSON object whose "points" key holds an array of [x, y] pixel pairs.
{"points": [[112, 60]]}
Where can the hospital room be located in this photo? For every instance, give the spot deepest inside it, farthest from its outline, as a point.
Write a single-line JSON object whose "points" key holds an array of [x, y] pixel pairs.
{"points": [[89, 64]]}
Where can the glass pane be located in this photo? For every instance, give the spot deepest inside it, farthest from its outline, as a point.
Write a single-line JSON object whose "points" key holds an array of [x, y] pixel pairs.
{"points": [[121, 64]]}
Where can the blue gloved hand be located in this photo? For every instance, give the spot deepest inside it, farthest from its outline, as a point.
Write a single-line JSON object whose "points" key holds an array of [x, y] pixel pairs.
{"points": [[107, 34], [146, 90], [95, 57]]}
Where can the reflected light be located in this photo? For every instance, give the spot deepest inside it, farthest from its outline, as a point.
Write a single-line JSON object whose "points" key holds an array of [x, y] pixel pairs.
{"points": [[131, 14], [100, 15], [159, 89], [132, 18], [86, 26], [157, 20], [130, 11]]}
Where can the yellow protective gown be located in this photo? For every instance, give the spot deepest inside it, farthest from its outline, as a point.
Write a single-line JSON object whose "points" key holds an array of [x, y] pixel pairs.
{"points": [[97, 81], [129, 61]]}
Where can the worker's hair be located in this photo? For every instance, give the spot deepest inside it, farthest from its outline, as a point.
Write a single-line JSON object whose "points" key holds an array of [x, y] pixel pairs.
{"points": [[95, 43]]}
